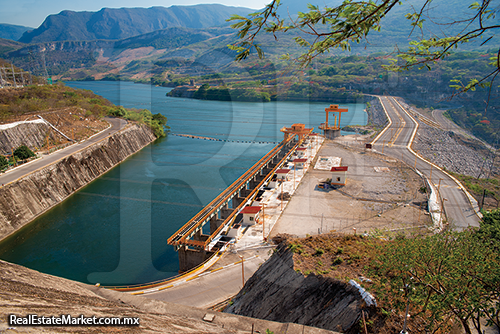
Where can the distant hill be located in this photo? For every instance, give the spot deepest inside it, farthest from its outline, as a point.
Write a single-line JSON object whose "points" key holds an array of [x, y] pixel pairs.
{"points": [[396, 29], [7, 45], [12, 32], [111, 23], [169, 38]]}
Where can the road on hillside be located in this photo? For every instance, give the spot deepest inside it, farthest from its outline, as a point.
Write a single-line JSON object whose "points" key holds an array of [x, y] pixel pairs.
{"points": [[116, 125], [394, 142]]}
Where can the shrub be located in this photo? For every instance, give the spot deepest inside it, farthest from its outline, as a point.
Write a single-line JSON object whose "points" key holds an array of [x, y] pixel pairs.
{"points": [[3, 162], [23, 152], [319, 252]]}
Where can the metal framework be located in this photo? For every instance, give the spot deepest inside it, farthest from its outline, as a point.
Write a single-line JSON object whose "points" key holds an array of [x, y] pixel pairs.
{"points": [[334, 108], [183, 237]]}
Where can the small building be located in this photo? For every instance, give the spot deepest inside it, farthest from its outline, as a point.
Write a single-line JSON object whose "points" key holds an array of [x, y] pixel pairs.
{"points": [[250, 214], [299, 163], [235, 231], [282, 174], [301, 152], [339, 175]]}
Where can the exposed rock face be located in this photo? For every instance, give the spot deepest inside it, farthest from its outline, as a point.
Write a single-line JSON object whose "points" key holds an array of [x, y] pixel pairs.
{"points": [[376, 114], [29, 134], [22, 201], [454, 152], [277, 293]]}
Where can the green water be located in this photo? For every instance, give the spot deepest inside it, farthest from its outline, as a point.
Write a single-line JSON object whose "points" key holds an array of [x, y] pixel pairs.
{"points": [[114, 230]]}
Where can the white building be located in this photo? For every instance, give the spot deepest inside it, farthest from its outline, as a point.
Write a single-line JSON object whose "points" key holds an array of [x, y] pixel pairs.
{"points": [[250, 214], [235, 231], [282, 174], [339, 175]]}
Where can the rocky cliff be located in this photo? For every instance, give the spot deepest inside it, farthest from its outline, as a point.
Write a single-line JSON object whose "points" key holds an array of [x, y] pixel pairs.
{"points": [[277, 292], [22, 201]]}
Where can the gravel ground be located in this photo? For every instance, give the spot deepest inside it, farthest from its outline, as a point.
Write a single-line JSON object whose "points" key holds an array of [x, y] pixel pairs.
{"points": [[360, 204], [376, 114], [454, 152]]}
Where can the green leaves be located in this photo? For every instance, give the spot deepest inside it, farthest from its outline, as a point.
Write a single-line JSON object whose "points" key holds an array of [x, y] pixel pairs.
{"points": [[350, 22], [328, 28], [441, 276]]}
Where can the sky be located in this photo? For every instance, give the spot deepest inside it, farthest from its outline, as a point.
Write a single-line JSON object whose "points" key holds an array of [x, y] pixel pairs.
{"points": [[32, 13]]}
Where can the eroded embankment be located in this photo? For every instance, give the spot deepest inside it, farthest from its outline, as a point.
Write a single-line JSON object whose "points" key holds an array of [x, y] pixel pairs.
{"points": [[277, 292], [23, 200]]}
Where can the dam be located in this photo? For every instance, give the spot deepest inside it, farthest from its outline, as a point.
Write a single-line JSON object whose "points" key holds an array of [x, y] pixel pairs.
{"points": [[193, 246], [114, 230]]}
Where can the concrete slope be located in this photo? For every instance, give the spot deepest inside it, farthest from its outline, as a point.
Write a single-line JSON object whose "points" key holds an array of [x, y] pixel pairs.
{"points": [[49, 184], [116, 125]]}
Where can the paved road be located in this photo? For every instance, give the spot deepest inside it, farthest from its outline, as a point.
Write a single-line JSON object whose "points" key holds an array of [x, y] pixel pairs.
{"points": [[457, 207], [211, 288], [116, 125]]}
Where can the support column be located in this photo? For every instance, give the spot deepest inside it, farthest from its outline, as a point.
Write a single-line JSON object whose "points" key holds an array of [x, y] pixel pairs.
{"points": [[190, 258], [199, 236], [225, 211], [332, 133], [237, 201], [215, 223]]}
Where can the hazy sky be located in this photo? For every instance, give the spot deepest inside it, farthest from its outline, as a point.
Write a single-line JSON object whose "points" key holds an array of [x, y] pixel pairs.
{"points": [[32, 13]]}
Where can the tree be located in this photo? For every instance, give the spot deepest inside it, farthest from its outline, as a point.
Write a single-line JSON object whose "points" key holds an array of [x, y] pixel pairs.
{"points": [[23, 152], [3, 162], [490, 228], [443, 276], [339, 27], [162, 120]]}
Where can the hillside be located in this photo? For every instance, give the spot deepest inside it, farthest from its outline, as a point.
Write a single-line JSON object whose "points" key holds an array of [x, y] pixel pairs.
{"points": [[120, 23], [346, 282], [12, 32], [24, 291], [7, 45]]}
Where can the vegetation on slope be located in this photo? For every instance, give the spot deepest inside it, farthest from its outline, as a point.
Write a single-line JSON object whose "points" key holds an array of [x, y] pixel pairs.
{"points": [[485, 190], [445, 279], [20, 101]]}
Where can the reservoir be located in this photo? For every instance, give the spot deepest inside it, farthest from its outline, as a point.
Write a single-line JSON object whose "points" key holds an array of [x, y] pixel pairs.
{"points": [[114, 230]]}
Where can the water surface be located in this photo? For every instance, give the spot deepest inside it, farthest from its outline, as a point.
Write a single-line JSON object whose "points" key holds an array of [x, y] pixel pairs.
{"points": [[114, 230]]}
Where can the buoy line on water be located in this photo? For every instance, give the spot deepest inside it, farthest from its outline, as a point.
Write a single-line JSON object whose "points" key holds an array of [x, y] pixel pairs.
{"points": [[223, 140]]}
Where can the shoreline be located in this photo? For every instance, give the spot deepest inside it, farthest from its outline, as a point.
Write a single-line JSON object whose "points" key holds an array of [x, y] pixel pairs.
{"points": [[34, 193]]}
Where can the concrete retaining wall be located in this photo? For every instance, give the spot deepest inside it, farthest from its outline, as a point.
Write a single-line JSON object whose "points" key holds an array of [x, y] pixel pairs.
{"points": [[22, 201]]}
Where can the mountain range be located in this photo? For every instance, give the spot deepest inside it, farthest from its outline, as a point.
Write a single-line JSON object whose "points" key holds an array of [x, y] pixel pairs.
{"points": [[120, 23], [13, 32], [132, 41]]}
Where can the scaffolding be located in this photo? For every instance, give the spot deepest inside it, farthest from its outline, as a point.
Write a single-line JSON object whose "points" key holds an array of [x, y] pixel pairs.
{"points": [[9, 77]]}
